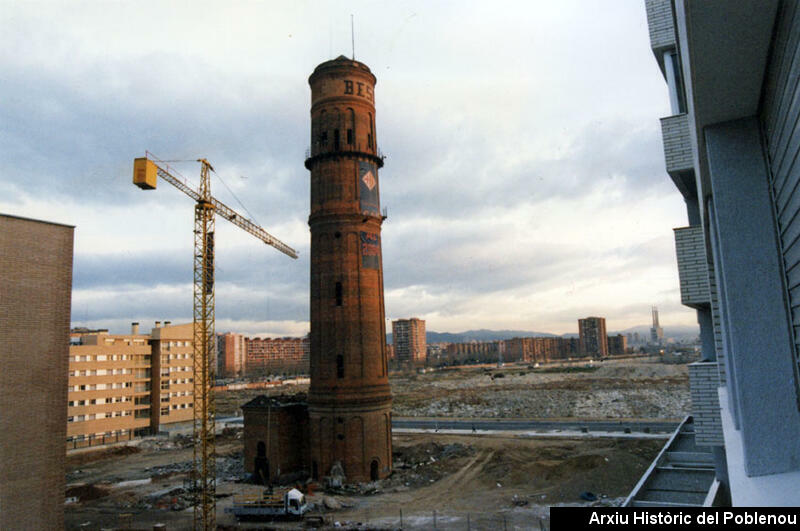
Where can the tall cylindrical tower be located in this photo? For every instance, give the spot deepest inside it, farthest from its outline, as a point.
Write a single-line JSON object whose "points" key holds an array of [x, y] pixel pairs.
{"points": [[349, 399]]}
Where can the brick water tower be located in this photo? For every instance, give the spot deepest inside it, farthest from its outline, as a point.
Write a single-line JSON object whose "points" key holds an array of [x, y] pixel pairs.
{"points": [[349, 401]]}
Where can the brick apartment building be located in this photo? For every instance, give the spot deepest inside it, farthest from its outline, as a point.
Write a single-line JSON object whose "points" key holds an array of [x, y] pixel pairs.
{"points": [[408, 338], [35, 290], [276, 355], [120, 386], [231, 355], [592, 336], [617, 345]]}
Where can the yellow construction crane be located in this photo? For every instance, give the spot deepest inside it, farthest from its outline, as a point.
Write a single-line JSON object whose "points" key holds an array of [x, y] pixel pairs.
{"points": [[145, 174]]}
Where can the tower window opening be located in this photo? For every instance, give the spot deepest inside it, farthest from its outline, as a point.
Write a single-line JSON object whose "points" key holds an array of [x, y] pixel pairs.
{"points": [[350, 136], [323, 138], [340, 366], [338, 294], [335, 139]]}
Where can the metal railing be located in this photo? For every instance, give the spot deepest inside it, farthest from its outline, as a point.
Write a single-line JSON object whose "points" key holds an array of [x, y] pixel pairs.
{"points": [[319, 148]]}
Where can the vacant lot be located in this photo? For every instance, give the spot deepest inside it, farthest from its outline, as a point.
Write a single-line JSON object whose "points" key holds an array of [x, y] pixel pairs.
{"points": [[612, 389], [487, 481]]}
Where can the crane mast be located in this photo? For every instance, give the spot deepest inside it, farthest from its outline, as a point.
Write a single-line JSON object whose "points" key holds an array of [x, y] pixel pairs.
{"points": [[204, 471], [145, 175]]}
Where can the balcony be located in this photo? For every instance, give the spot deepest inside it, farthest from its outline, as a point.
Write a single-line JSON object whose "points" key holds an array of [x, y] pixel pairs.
{"points": [[677, 144], [660, 24], [320, 151], [692, 266], [703, 385]]}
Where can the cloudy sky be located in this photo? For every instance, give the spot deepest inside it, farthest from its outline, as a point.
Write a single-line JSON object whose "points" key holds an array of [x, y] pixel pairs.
{"points": [[524, 176]]}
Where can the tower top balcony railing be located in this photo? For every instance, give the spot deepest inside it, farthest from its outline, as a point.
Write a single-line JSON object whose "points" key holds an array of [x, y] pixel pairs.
{"points": [[320, 150]]}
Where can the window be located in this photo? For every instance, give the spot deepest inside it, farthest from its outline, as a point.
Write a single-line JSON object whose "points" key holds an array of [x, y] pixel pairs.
{"points": [[323, 138], [335, 139], [165, 410], [338, 294], [340, 366], [350, 136]]}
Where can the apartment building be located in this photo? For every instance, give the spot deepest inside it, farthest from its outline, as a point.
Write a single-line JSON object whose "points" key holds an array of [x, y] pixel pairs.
{"points": [[35, 289], [730, 145], [617, 345], [277, 355], [408, 338], [231, 355], [122, 386], [592, 337], [109, 386], [172, 350]]}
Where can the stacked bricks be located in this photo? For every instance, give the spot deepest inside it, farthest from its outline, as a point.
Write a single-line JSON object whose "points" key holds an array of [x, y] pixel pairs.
{"points": [[703, 383], [677, 143], [692, 266]]}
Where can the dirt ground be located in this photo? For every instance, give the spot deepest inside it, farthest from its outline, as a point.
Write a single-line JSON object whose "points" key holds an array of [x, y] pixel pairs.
{"points": [[500, 479], [452, 481], [637, 388]]}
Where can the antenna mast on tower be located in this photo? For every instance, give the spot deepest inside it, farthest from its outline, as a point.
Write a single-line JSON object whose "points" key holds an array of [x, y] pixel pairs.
{"points": [[352, 37]]}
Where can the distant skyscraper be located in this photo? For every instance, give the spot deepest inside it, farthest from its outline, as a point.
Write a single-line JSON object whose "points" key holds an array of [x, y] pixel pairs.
{"points": [[408, 338], [656, 332], [592, 336]]}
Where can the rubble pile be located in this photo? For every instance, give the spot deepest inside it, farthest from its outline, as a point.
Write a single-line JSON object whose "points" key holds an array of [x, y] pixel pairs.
{"points": [[643, 390]]}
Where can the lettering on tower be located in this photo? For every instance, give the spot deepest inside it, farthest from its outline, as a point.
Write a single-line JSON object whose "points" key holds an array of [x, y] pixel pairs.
{"points": [[370, 250], [358, 88]]}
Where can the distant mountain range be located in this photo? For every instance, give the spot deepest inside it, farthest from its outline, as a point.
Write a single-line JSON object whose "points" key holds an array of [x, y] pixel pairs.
{"points": [[678, 332]]}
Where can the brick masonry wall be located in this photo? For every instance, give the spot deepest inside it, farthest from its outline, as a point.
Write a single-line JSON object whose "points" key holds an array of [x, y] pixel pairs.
{"points": [[692, 265], [703, 383], [677, 143], [35, 289], [660, 23], [717, 321]]}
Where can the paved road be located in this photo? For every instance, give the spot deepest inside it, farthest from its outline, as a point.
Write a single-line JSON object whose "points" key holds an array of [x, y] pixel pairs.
{"points": [[538, 425], [645, 426]]}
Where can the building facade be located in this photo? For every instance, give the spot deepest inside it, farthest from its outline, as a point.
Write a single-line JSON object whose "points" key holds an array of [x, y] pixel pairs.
{"points": [[110, 387], [617, 345], [408, 339], [730, 147], [231, 355], [277, 355], [349, 398], [122, 386], [592, 337], [656, 332], [35, 293]]}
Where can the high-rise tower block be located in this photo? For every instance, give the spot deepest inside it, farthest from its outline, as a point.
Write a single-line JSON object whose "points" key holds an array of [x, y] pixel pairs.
{"points": [[349, 401]]}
